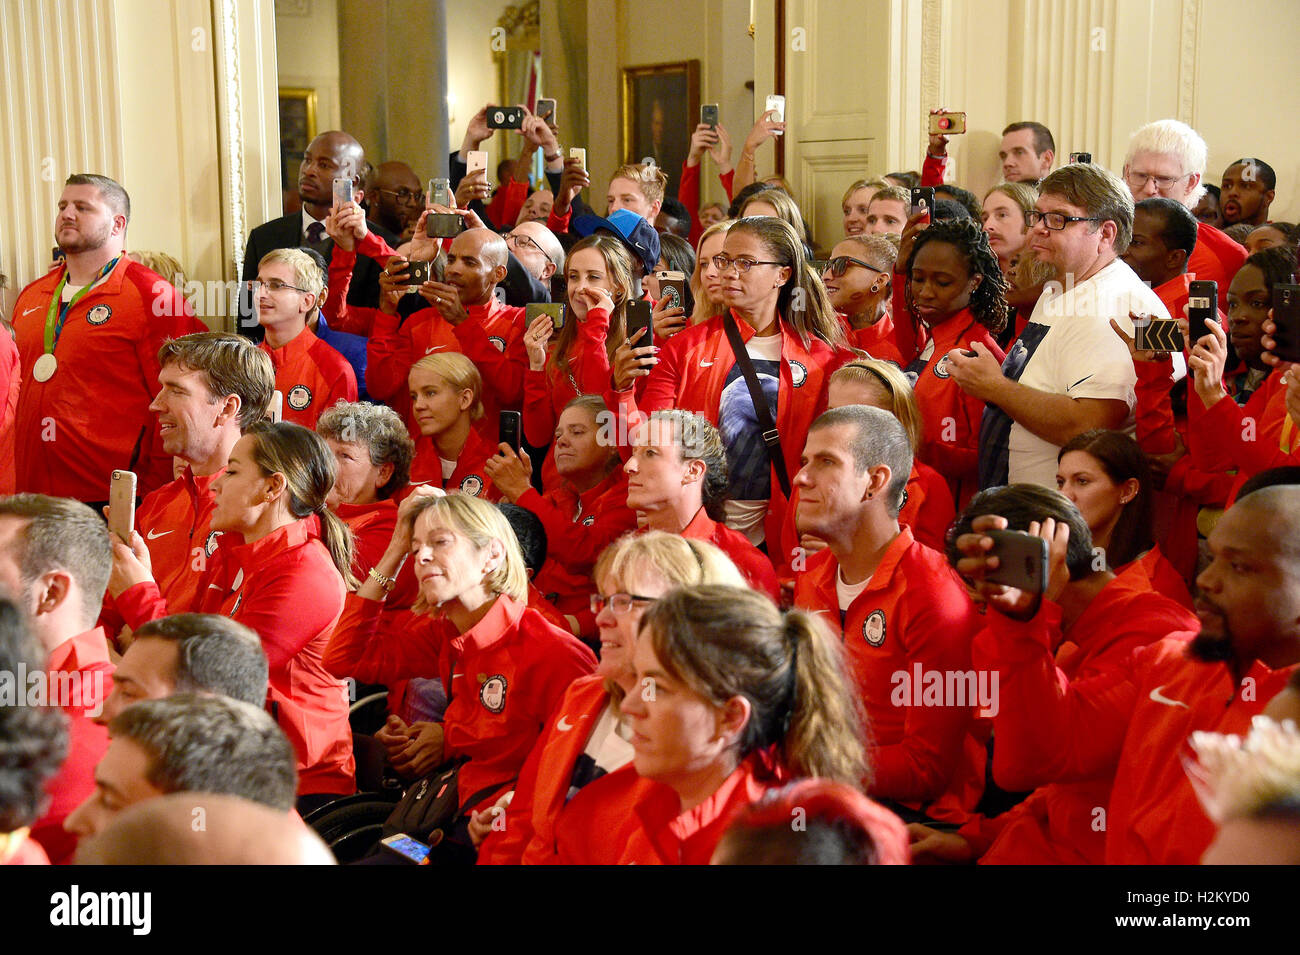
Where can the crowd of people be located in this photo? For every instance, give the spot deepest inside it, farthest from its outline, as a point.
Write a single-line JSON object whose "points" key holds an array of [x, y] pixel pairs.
{"points": [[521, 533]]}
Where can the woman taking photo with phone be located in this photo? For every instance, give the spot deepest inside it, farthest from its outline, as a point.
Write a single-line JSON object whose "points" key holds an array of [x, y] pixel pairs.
{"points": [[1105, 475], [956, 292], [732, 698], [584, 508], [504, 666], [789, 340], [548, 808], [281, 567], [446, 401]]}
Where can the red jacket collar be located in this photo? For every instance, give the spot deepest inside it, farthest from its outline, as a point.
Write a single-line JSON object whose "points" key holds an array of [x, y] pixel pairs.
{"points": [[500, 620], [295, 348], [199, 486], [83, 650], [278, 541], [350, 512], [701, 526], [110, 285], [1176, 288], [661, 810]]}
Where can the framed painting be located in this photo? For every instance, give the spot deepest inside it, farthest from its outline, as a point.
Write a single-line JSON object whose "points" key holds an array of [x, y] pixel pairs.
{"points": [[660, 106]]}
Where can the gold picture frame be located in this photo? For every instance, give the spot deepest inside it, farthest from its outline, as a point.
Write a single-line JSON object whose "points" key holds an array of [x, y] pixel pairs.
{"points": [[297, 130], [660, 107]]}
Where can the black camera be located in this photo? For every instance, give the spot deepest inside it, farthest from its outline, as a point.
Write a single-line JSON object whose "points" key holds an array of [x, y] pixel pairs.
{"points": [[505, 117]]}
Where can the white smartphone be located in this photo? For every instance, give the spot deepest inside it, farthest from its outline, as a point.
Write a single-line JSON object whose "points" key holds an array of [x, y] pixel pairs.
{"points": [[342, 192], [475, 160], [275, 411], [121, 505], [577, 152], [777, 103]]}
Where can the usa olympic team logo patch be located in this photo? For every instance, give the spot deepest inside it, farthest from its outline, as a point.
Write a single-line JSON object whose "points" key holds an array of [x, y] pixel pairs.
{"points": [[941, 368], [99, 315], [873, 628], [798, 374], [498, 342], [299, 397], [210, 545], [589, 520], [492, 694], [472, 485]]}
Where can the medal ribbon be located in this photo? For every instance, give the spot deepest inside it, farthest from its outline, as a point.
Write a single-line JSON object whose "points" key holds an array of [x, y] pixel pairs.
{"points": [[54, 329]]}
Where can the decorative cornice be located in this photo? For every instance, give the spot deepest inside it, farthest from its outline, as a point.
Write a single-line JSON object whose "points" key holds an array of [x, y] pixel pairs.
{"points": [[1187, 61]]}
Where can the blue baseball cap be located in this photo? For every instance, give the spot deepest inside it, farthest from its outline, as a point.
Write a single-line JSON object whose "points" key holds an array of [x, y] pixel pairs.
{"points": [[637, 234]]}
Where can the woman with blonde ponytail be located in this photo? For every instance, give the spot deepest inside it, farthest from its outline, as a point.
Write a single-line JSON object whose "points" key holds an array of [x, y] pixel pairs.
{"points": [[732, 697], [281, 565]]}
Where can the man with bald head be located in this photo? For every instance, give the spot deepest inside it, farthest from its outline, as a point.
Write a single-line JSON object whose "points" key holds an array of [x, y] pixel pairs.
{"points": [[536, 248], [396, 197], [235, 831], [1137, 717], [331, 155], [465, 313]]}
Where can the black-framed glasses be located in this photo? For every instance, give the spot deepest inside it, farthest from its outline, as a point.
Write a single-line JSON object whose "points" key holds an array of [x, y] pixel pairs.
{"points": [[619, 603], [404, 196], [520, 240], [1056, 221], [722, 262], [274, 286], [840, 264]]}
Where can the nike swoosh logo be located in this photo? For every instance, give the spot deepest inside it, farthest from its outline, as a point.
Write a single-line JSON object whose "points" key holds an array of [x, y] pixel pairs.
{"points": [[35, 308], [239, 581], [433, 348], [153, 537], [705, 364], [1158, 697], [1079, 382], [455, 675], [564, 725]]}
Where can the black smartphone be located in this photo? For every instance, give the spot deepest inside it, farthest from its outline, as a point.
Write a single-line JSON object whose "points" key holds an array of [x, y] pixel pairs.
{"points": [[553, 309], [923, 200], [1158, 334], [1286, 315], [1081, 157], [443, 225], [709, 114], [639, 323], [1022, 561], [509, 428], [505, 117], [1202, 306], [419, 272]]}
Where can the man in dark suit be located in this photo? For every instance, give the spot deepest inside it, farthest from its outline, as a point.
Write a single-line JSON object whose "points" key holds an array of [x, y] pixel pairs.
{"points": [[331, 155]]}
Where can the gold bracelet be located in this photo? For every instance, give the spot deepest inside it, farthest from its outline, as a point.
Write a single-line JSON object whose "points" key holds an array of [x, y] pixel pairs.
{"points": [[386, 583]]}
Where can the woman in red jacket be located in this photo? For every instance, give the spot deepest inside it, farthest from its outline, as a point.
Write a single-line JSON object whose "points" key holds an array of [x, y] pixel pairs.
{"points": [[584, 509], [857, 278], [545, 808], [598, 276], [446, 401], [732, 698], [778, 307], [1105, 474], [955, 289], [281, 566], [504, 666]]}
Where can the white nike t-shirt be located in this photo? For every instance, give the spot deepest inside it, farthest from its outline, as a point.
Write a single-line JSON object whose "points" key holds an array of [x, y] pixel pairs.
{"points": [[847, 593]]}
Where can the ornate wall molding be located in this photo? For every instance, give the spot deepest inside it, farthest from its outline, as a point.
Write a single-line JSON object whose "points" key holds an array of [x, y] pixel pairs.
{"points": [[1191, 21], [231, 124]]}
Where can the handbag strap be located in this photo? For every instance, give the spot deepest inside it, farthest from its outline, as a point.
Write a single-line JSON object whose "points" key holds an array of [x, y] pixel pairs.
{"points": [[771, 437]]}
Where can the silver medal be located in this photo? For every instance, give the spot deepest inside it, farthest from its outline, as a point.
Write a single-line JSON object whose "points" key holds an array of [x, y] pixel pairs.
{"points": [[45, 367]]}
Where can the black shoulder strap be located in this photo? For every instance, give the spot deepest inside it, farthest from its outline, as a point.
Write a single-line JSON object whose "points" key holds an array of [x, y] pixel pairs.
{"points": [[771, 437]]}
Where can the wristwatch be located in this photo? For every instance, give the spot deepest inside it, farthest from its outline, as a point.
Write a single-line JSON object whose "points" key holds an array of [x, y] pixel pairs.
{"points": [[386, 583]]}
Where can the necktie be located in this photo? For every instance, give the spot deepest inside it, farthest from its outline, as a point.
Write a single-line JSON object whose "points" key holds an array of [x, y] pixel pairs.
{"points": [[316, 233]]}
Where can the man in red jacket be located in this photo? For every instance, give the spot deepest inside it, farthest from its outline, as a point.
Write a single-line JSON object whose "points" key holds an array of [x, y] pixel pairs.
{"points": [[88, 336], [214, 384], [1137, 717], [902, 612], [55, 559], [1167, 158]]}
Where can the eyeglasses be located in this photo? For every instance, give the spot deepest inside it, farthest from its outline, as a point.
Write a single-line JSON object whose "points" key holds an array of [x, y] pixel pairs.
{"points": [[722, 262], [274, 286], [840, 264], [1056, 221], [521, 241], [1139, 180], [404, 196], [618, 603]]}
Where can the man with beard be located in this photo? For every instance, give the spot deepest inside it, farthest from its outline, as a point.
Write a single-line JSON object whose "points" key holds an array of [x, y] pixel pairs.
{"points": [[1138, 716], [396, 198], [331, 155], [1249, 186], [88, 335]]}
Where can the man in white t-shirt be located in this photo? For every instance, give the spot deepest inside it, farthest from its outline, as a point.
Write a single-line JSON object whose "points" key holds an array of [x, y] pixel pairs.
{"points": [[1064, 375]]}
